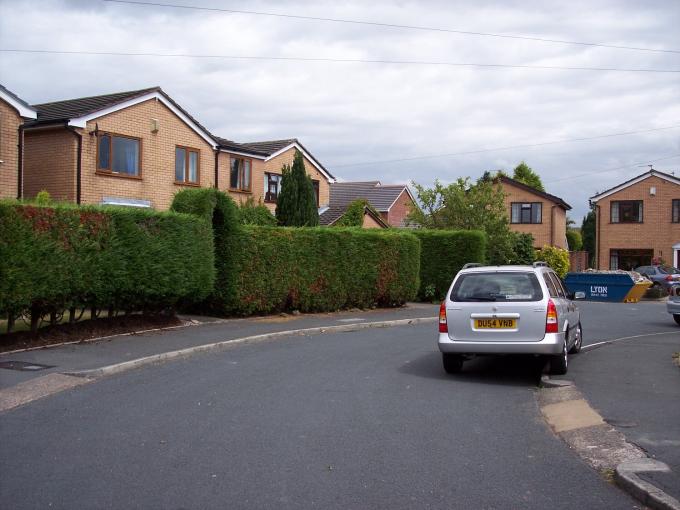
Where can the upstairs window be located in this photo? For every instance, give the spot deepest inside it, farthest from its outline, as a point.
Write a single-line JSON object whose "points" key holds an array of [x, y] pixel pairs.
{"points": [[315, 184], [118, 154], [676, 211], [240, 174], [626, 211], [186, 165], [272, 187], [526, 212]]}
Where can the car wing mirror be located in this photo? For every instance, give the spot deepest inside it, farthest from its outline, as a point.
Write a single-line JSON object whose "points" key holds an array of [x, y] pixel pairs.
{"points": [[579, 295]]}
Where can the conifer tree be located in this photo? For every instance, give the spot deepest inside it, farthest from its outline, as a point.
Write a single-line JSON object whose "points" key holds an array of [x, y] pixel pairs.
{"points": [[296, 203]]}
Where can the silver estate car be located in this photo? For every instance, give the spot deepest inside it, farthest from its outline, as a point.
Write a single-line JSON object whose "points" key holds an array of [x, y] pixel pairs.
{"points": [[509, 310], [673, 303]]}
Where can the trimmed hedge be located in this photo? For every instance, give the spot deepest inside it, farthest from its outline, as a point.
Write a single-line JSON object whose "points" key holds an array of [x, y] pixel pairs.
{"points": [[322, 269], [222, 212], [443, 254], [62, 256]]}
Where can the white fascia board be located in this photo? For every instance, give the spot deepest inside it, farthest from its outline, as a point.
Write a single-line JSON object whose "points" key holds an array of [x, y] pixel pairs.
{"points": [[408, 192], [81, 122], [640, 178], [253, 156], [24, 111], [304, 153]]}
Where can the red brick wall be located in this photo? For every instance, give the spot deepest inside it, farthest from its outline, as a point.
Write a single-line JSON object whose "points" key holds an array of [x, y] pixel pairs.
{"points": [[400, 210], [50, 163], [9, 150]]}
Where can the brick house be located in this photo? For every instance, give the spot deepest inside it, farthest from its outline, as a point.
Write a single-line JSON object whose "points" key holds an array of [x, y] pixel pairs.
{"points": [[392, 201], [139, 148], [535, 212], [13, 113], [638, 221]]}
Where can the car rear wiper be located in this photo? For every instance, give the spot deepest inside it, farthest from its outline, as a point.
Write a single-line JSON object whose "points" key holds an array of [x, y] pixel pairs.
{"points": [[482, 298]]}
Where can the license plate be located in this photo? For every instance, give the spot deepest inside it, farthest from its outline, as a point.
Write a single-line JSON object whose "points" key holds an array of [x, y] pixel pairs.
{"points": [[495, 323]]}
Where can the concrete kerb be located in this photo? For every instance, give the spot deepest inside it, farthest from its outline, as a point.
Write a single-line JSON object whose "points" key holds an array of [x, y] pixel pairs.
{"points": [[216, 346], [599, 445]]}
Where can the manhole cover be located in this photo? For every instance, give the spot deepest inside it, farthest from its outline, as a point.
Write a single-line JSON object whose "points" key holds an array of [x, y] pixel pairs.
{"points": [[23, 366]]}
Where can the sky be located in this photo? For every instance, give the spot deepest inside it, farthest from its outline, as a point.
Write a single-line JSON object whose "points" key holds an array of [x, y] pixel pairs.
{"points": [[393, 122]]}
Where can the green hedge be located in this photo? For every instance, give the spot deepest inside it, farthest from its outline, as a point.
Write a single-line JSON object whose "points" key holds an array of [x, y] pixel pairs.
{"points": [[220, 210], [322, 269], [62, 256], [443, 254]]}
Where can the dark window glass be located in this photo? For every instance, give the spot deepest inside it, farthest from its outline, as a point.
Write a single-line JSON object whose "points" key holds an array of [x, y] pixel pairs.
{"points": [[528, 212], [627, 211], [316, 191], [105, 152], [561, 292], [240, 174], [272, 187], [235, 177], [552, 289], [125, 157], [180, 164], [193, 167], [513, 286], [676, 211]]}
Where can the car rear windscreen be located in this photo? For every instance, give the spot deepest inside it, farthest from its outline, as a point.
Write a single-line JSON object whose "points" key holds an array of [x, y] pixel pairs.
{"points": [[508, 286]]}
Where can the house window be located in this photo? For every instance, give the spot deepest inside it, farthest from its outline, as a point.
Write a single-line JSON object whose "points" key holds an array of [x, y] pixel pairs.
{"points": [[316, 191], [272, 187], [676, 211], [186, 165], [613, 259], [118, 154], [626, 211], [240, 174], [526, 212]]}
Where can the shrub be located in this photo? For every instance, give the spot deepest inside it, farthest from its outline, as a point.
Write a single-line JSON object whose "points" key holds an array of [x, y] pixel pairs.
{"points": [[574, 240], [296, 203], [322, 269], [443, 254], [52, 258], [354, 214], [251, 214], [523, 248], [556, 258], [220, 210]]}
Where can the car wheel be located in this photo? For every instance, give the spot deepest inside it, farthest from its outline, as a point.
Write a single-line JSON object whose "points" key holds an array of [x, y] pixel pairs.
{"points": [[676, 316], [578, 341], [453, 363], [560, 362]]}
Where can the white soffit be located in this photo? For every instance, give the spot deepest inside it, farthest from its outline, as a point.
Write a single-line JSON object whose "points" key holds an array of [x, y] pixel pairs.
{"points": [[304, 153], [637, 179], [81, 122], [24, 111]]}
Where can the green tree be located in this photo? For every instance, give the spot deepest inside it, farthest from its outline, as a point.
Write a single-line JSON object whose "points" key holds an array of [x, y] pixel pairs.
{"points": [[523, 248], [296, 203], [588, 235], [354, 214], [251, 214], [463, 205], [574, 240], [524, 173]]}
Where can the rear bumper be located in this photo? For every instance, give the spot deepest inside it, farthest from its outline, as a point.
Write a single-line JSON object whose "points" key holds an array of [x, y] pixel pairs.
{"points": [[673, 305], [551, 344]]}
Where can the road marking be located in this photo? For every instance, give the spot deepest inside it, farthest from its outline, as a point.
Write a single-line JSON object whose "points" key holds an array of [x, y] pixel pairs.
{"points": [[590, 347]]}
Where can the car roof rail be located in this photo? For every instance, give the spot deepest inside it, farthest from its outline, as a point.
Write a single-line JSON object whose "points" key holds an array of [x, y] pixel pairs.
{"points": [[540, 263], [472, 264]]}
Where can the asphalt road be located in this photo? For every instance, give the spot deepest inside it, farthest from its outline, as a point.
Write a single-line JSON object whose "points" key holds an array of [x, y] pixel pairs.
{"points": [[356, 420]]}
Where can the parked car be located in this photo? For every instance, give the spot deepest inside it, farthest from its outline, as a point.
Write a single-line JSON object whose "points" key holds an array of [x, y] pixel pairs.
{"points": [[509, 310], [673, 303], [661, 275]]}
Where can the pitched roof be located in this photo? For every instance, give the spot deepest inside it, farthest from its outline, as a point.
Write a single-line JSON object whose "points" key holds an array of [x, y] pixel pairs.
{"points": [[230, 145], [380, 196], [333, 214], [557, 200], [271, 146], [78, 111], [21, 106], [635, 180]]}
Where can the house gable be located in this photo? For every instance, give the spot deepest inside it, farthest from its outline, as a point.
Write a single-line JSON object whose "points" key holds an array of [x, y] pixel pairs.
{"points": [[22, 108], [635, 180]]}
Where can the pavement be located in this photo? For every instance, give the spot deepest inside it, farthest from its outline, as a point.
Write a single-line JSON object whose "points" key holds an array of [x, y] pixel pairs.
{"points": [[625, 372]]}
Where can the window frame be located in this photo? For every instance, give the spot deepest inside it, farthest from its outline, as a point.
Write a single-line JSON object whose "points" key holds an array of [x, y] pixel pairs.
{"points": [[241, 189], [188, 150], [641, 211], [108, 171], [675, 210], [531, 213], [267, 176]]}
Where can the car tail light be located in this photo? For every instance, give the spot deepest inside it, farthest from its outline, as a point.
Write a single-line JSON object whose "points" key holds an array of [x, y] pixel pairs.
{"points": [[669, 278], [551, 325], [443, 326]]}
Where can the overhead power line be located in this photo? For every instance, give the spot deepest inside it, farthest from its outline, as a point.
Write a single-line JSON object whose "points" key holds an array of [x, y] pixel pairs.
{"points": [[505, 148], [392, 25], [595, 172], [334, 60]]}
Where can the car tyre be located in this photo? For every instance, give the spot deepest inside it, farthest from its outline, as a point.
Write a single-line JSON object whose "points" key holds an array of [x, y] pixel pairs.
{"points": [[560, 362], [676, 316], [453, 363], [578, 343]]}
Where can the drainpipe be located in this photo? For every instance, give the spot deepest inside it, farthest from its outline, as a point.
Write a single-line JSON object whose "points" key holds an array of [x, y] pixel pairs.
{"points": [[552, 225], [217, 155], [598, 229], [20, 177], [79, 159]]}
